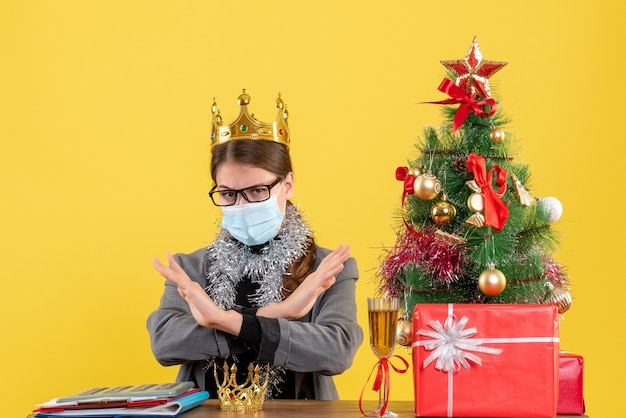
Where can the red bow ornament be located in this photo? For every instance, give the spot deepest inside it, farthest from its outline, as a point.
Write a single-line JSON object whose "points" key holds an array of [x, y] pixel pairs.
{"points": [[496, 211], [468, 103], [407, 176]]}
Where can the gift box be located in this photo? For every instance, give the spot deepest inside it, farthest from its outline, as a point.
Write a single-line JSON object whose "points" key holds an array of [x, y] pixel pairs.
{"points": [[480, 360], [571, 401]]}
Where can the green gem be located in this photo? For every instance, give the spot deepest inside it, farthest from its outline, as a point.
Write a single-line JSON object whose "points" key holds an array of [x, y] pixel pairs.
{"points": [[243, 128]]}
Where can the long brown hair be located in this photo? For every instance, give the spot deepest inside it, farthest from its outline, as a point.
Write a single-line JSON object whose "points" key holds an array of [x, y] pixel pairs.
{"points": [[273, 157]]}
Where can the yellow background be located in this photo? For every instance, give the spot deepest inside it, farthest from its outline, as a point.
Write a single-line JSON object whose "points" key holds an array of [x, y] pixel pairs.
{"points": [[104, 129]]}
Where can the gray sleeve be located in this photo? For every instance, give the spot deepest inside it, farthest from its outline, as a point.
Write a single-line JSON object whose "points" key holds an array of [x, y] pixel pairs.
{"points": [[326, 340], [175, 336]]}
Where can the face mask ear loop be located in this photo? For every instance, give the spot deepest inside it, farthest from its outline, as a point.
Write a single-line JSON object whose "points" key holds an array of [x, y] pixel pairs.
{"points": [[278, 191]]}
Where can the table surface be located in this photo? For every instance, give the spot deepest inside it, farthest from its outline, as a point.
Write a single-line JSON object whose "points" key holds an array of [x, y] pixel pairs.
{"points": [[306, 409]]}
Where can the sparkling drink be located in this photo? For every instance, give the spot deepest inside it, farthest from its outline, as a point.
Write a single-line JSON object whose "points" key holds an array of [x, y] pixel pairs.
{"points": [[383, 325]]}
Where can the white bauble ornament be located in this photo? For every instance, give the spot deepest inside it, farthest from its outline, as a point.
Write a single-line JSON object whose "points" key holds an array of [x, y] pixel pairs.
{"points": [[553, 206]]}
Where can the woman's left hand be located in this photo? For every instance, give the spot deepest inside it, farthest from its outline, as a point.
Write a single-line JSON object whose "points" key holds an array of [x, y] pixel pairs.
{"points": [[202, 307], [300, 302]]}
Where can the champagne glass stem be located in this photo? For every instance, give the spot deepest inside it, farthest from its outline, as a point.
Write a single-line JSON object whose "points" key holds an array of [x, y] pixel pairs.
{"points": [[382, 400]]}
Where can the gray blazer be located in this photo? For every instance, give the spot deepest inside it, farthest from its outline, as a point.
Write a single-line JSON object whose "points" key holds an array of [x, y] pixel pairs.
{"points": [[323, 342]]}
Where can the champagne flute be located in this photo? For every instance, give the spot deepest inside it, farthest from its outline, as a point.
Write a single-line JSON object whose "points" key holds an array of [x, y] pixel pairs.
{"points": [[383, 322]]}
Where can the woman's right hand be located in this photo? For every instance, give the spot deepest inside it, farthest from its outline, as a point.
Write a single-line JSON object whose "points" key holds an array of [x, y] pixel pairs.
{"points": [[300, 302], [202, 307]]}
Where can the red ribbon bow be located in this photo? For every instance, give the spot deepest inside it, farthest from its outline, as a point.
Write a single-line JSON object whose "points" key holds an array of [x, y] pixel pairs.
{"points": [[402, 174], [496, 211], [382, 374], [468, 103]]}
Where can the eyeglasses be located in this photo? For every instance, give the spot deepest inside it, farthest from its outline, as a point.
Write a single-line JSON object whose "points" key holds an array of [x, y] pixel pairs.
{"points": [[252, 194]]}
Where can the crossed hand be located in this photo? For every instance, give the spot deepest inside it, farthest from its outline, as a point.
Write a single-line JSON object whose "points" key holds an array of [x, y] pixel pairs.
{"points": [[298, 304]]}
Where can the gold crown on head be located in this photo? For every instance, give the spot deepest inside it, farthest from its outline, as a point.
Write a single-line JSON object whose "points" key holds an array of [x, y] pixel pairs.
{"points": [[246, 126], [245, 397]]}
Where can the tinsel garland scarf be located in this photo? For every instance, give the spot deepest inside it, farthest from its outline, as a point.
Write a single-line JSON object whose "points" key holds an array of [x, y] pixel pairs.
{"points": [[229, 261]]}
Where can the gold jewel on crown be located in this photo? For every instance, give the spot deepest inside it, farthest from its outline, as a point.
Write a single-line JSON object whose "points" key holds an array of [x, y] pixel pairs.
{"points": [[245, 397], [246, 126]]}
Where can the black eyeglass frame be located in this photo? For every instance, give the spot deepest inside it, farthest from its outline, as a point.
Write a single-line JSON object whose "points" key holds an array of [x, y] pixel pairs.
{"points": [[242, 192]]}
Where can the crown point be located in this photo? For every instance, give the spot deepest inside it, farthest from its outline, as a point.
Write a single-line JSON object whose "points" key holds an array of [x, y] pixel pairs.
{"points": [[243, 99], [218, 119], [279, 102]]}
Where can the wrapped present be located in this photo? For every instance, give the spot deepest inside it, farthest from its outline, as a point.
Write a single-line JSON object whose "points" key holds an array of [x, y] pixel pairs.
{"points": [[485, 360], [571, 401]]}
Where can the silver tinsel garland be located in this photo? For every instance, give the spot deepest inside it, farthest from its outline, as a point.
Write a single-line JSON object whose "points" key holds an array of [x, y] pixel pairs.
{"points": [[229, 261]]}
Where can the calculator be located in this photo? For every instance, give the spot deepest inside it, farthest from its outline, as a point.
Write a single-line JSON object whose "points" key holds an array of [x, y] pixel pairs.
{"points": [[158, 390]]}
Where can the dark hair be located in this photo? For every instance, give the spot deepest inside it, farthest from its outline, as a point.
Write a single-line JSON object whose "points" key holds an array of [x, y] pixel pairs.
{"points": [[268, 155], [273, 157]]}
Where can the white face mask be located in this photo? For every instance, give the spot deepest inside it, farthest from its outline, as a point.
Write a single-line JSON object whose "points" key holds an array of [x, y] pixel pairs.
{"points": [[253, 223]]}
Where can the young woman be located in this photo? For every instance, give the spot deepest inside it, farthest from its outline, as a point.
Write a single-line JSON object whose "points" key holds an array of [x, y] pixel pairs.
{"points": [[263, 292]]}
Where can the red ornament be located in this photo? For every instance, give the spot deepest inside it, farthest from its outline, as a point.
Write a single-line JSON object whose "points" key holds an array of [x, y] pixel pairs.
{"points": [[496, 211], [469, 103], [407, 176], [473, 72]]}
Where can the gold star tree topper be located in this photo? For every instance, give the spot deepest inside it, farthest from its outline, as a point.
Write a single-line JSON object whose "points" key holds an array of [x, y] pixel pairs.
{"points": [[472, 72]]}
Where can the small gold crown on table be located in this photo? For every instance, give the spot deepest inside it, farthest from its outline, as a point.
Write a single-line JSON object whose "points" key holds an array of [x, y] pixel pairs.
{"points": [[245, 397]]}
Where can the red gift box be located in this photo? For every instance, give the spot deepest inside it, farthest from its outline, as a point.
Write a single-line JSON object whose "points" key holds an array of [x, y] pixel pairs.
{"points": [[480, 360], [571, 401]]}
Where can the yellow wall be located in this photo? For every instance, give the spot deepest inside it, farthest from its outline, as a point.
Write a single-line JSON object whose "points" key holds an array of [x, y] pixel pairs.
{"points": [[104, 125]]}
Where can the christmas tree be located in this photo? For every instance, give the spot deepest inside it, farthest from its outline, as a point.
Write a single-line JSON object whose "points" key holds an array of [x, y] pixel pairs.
{"points": [[471, 231]]}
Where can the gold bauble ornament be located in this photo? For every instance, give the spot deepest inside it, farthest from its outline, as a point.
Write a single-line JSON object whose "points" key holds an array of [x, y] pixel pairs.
{"points": [[491, 282], [443, 212], [427, 186], [404, 331], [561, 299], [414, 171], [497, 135], [476, 202]]}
